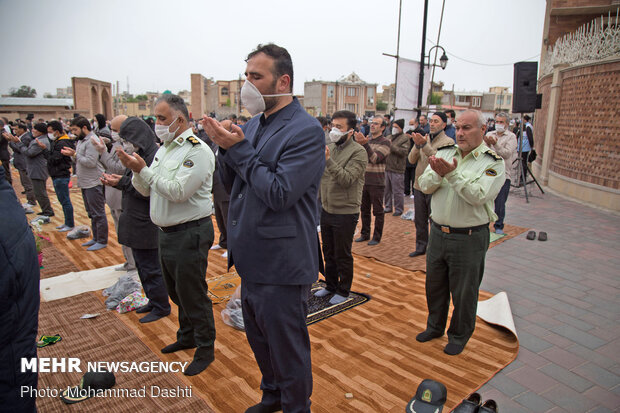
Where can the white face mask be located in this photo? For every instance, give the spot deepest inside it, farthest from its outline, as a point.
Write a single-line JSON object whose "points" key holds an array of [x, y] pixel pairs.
{"points": [[395, 131], [51, 136], [252, 99], [199, 127], [336, 134], [163, 132], [449, 121], [115, 136], [500, 128]]}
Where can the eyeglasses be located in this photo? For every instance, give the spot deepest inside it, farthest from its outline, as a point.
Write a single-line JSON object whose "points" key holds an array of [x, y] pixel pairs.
{"points": [[376, 123]]}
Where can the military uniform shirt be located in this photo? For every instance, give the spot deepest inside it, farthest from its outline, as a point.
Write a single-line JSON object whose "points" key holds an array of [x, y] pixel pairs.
{"points": [[465, 197], [178, 181]]}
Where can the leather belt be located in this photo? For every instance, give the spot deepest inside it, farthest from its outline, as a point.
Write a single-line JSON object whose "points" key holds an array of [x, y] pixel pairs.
{"points": [[185, 225], [449, 230]]}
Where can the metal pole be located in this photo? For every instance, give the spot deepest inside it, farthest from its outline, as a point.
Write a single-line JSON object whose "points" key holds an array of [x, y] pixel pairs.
{"points": [[400, 9], [421, 77], [437, 49]]}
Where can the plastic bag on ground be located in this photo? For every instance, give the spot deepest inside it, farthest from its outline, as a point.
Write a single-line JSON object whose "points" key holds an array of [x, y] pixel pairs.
{"points": [[232, 314]]}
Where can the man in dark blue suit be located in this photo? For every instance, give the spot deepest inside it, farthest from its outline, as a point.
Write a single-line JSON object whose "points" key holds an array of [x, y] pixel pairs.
{"points": [[273, 168]]}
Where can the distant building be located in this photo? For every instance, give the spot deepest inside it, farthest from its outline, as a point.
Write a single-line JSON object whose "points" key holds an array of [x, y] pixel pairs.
{"points": [[92, 96], [348, 93], [221, 97], [64, 92], [46, 108], [387, 96]]}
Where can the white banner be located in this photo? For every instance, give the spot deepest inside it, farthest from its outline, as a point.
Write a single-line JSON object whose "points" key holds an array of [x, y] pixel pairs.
{"points": [[407, 88]]}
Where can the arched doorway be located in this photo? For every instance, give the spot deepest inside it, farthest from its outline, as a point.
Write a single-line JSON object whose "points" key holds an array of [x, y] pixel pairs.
{"points": [[94, 101], [105, 101]]}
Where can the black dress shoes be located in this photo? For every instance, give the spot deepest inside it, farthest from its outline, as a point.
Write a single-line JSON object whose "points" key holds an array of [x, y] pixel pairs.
{"points": [[426, 335], [373, 242], [489, 406], [362, 239], [176, 346], [264, 408], [416, 253], [469, 405]]}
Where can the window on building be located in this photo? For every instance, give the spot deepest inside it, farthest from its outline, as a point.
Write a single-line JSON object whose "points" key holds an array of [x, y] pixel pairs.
{"points": [[370, 96], [142, 106], [330, 92], [224, 91], [351, 91], [508, 99], [498, 100], [475, 101], [350, 107], [461, 98]]}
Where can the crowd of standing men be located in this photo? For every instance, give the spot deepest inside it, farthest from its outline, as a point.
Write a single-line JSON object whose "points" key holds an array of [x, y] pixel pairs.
{"points": [[159, 184]]}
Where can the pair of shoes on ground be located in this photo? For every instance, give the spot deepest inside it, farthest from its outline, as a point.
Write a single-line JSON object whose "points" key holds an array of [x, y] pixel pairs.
{"points": [[473, 404], [64, 228], [542, 236], [416, 253], [93, 245], [197, 365], [336, 299], [451, 349], [499, 231]]}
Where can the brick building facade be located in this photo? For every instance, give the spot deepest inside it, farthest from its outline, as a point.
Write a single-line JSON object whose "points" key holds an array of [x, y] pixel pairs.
{"points": [[92, 96], [577, 130]]}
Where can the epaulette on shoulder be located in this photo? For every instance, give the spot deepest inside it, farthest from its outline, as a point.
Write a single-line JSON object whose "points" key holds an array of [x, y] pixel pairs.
{"points": [[446, 147], [493, 155], [193, 141]]}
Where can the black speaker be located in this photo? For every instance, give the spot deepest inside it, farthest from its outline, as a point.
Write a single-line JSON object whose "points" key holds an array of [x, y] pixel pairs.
{"points": [[524, 87]]}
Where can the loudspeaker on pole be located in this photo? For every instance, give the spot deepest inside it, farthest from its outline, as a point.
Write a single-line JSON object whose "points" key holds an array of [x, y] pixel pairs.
{"points": [[524, 87]]}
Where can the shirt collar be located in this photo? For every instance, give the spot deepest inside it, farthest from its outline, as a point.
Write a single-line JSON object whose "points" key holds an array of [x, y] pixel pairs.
{"points": [[180, 140], [264, 122], [477, 152]]}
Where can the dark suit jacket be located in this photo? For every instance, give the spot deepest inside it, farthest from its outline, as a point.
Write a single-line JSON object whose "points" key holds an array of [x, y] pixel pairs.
{"points": [[272, 237]]}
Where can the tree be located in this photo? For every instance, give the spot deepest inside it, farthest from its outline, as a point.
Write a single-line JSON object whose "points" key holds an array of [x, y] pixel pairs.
{"points": [[141, 97], [381, 105], [23, 92], [436, 98]]}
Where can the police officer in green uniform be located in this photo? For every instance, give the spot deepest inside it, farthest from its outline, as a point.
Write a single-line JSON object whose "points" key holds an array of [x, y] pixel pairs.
{"points": [[464, 180], [179, 183]]}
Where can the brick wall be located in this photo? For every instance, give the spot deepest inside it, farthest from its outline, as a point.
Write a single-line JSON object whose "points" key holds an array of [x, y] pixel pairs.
{"points": [[587, 140], [540, 117]]}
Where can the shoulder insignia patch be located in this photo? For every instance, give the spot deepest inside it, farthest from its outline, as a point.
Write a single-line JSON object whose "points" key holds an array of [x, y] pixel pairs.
{"points": [[446, 147], [193, 141], [188, 163], [180, 140], [493, 155], [491, 172]]}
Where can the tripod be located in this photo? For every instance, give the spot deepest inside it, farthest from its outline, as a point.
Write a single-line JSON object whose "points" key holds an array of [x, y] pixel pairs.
{"points": [[522, 174]]}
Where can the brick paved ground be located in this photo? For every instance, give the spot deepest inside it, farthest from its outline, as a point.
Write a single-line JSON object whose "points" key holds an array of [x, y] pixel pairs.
{"points": [[564, 295]]}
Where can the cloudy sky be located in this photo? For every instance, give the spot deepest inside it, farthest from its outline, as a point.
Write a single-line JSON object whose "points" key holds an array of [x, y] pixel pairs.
{"points": [[156, 44]]}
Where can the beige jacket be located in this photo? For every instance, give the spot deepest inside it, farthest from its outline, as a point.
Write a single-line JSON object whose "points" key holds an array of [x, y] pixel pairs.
{"points": [[420, 155]]}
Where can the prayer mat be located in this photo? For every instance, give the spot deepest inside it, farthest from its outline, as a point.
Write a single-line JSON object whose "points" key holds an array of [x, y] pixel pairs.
{"points": [[54, 261], [222, 287], [319, 308], [399, 240], [105, 339]]}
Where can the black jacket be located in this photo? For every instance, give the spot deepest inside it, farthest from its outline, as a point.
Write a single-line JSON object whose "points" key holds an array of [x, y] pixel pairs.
{"points": [[59, 165], [4, 147], [19, 159], [135, 228], [19, 302]]}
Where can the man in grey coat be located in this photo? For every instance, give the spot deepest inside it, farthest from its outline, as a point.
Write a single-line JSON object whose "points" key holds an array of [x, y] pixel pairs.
{"points": [[19, 160], [89, 170], [35, 153]]}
